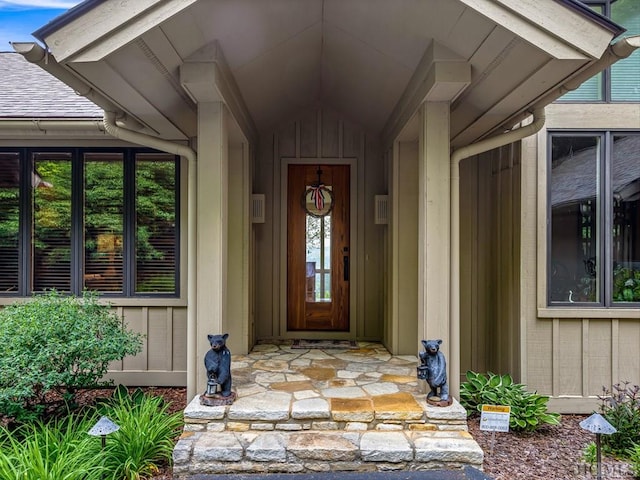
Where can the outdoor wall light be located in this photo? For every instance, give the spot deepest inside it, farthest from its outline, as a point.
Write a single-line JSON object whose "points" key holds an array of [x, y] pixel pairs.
{"points": [[597, 424], [102, 428]]}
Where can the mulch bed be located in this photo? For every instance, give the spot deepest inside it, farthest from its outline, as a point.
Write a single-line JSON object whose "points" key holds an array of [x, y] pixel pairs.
{"points": [[550, 453]]}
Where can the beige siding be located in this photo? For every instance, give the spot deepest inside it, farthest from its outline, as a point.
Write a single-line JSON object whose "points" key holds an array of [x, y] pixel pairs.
{"points": [[569, 353], [319, 134], [163, 357], [372, 261], [569, 378], [405, 224], [628, 340], [572, 359], [490, 262]]}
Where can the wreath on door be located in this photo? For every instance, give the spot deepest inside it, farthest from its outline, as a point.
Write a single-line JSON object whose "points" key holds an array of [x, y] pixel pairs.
{"points": [[318, 199]]}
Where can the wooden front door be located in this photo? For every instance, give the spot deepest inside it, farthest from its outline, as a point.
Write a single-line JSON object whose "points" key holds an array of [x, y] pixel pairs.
{"points": [[318, 248]]}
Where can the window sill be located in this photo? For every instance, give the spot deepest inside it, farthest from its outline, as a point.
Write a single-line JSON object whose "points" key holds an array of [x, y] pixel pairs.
{"points": [[120, 301], [585, 312]]}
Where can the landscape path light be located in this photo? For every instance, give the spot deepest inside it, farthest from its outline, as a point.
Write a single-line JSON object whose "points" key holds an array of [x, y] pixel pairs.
{"points": [[102, 428], [597, 424]]}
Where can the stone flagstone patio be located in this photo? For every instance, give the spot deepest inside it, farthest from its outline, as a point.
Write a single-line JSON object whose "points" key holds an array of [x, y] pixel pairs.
{"points": [[324, 410]]}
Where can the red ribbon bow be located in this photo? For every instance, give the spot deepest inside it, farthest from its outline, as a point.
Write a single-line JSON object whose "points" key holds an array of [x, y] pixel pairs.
{"points": [[318, 197]]}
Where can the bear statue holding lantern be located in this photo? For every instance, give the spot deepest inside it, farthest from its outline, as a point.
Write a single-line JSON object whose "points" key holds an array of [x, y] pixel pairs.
{"points": [[433, 369], [217, 362]]}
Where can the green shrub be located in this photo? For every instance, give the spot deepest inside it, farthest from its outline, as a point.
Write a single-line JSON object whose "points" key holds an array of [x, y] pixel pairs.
{"points": [[146, 436], [55, 344], [621, 407], [590, 453], [60, 450], [528, 410], [633, 454]]}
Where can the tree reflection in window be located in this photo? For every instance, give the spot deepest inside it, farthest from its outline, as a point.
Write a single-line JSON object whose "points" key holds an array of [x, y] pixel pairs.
{"points": [[318, 261], [51, 234], [156, 216]]}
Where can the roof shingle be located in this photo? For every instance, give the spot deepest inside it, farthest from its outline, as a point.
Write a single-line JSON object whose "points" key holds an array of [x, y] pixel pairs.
{"points": [[27, 91]]}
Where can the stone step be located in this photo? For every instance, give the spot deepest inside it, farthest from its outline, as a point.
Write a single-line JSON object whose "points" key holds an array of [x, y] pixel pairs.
{"points": [[227, 452], [310, 411], [280, 411]]}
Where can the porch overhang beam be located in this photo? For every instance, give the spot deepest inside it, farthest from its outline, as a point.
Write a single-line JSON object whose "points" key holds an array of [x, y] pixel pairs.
{"points": [[560, 32], [615, 52], [34, 53], [441, 76], [93, 33], [206, 77]]}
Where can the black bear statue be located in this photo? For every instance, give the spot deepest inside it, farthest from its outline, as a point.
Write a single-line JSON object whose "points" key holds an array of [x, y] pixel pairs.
{"points": [[217, 362], [433, 369]]}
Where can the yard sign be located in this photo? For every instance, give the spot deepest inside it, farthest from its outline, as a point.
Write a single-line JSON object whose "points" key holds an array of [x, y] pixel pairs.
{"points": [[495, 418]]}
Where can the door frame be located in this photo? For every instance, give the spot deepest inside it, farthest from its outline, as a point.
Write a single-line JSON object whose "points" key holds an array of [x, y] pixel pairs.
{"points": [[352, 162]]}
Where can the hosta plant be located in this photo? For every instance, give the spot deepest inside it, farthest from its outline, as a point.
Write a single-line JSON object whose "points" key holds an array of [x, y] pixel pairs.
{"points": [[528, 409]]}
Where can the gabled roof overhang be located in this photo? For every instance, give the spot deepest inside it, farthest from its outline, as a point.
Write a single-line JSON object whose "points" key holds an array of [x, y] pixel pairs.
{"points": [[373, 60]]}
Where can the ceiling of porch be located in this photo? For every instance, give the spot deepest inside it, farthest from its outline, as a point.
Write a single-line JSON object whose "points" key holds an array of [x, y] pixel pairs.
{"points": [[356, 57]]}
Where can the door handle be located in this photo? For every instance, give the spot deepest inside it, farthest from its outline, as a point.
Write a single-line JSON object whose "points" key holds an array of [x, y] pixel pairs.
{"points": [[345, 269]]}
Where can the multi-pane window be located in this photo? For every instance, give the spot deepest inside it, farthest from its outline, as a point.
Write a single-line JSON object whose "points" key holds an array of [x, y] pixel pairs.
{"points": [[95, 219], [620, 82], [594, 219]]}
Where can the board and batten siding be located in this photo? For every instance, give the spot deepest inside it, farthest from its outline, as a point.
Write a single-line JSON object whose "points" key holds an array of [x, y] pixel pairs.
{"points": [[570, 353], [490, 262], [573, 355], [163, 360]]}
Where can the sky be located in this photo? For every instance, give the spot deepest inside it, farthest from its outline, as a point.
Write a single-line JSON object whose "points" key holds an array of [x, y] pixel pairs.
{"points": [[20, 18]]}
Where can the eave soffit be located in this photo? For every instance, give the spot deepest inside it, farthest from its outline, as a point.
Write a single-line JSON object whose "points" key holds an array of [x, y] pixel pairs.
{"points": [[108, 25], [547, 25]]}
